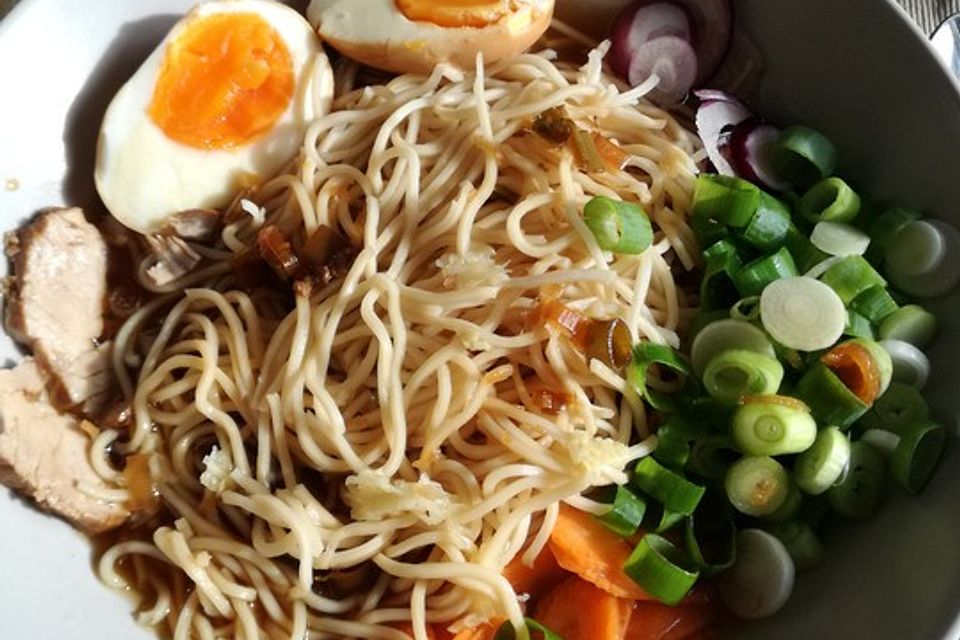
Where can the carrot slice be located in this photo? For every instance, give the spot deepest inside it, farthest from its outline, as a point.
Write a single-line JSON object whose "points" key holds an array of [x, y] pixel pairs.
{"points": [[657, 621], [855, 367], [583, 546], [536, 579], [577, 610]]}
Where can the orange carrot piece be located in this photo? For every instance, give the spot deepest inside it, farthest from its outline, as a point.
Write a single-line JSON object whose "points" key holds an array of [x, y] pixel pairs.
{"points": [[855, 367], [577, 610], [657, 621], [536, 579], [583, 546]]}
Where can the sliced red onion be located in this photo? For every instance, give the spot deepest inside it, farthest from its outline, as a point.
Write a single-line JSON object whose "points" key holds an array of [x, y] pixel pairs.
{"points": [[674, 62], [714, 119], [641, 22], [712, 29], [750, 143], [715, 95]]}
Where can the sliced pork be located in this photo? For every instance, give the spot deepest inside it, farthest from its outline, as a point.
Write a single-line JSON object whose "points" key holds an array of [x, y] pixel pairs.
{"points": [[55, 304], [44, 453]]}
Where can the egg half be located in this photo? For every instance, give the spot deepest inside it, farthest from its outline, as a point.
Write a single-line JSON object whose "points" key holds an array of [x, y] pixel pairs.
{"points": [[220, 104], [416, 35]]}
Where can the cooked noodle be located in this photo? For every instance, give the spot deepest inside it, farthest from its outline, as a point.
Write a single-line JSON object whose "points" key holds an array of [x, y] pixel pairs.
{"points": [[376, 456]]}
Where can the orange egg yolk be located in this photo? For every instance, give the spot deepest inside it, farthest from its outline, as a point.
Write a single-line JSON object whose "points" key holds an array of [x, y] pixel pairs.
{"points": [[456, 13], [226, 79]]}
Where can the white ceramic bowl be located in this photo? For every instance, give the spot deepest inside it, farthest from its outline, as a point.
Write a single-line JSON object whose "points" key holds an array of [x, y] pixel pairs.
{"points": [[855, 68]]}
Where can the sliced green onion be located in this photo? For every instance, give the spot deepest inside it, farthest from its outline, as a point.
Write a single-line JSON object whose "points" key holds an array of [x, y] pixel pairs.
{"points": [[772, 429], [646, 354], [801, 543], [752, 278], [916, 250], [858, 327], [805, 255], [736, 373], [768, 229], [861, 492], [884, 441], [668, 520], [673, 491], [508, 632], [875, 304], [757, 485], [661, 569], [710, 534], [814, 510], [728, 200], [881, 361], [803, 156], [910, 365], [790, 508], [899, 406], [673, 440], [717, 290], [746, 309], [802, 313], [620, 227], [704, 319], [819, 467], [761, 580], [888, 224], [723, 335], [910, 323], [942, 277], [839, 239], [830, 199], [708, 231], [829, 399], [851, 276], [917, 454], [711, 457], [626, 512]]}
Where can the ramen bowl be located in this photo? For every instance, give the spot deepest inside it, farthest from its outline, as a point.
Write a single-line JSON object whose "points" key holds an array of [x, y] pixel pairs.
{"points": [[858, 70]]}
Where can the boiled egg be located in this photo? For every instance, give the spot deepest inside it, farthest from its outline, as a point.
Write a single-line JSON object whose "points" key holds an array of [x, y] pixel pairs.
{"points": [[416, 35], [222, 103]]}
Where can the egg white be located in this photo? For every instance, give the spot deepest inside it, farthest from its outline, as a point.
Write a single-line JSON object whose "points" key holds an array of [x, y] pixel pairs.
{"points": [[144, 177], [379, 35]]}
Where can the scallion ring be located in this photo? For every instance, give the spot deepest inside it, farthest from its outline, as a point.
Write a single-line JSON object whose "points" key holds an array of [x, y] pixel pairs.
{"points": [[618, 226]]}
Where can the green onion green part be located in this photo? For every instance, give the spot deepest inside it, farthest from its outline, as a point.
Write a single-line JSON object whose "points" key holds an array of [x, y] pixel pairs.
{"points": [[768, 229], [626, 512], [829, 399], [772, 429], [620, 227], [900, 406], [917, 454], [673, 491], [805, 254], [752, 278], [803, 156], [858, 326], [757, 485], [885, 227], [852, 276], [724, 335], [910, 323], [860, 493], [711, 536], [875, 304], [661, 569], [726, 199], [832, 200], [736, 373], [819, 467], [711, 456], [647, 354], [746, 309]]}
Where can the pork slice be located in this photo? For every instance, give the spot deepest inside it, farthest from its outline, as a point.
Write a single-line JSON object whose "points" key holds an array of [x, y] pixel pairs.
{"points": [[56, 300], [43, 454]]}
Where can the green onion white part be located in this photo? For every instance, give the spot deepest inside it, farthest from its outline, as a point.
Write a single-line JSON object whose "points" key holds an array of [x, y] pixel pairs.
{"points": [[761, 580], [910, 365], [802, 313], [939, 279], [757, 485], [884, 441], [821, 466], [722, 335], [839, 239]]}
